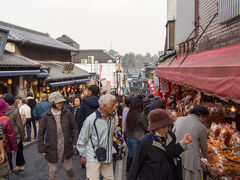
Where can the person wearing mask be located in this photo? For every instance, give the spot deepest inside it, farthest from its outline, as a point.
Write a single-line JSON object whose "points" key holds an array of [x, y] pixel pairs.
{"points": [[156, 151], [14, 115], [193, 124], [61, 137], [97, 131], [136, 126], [31, 102], [10, 139], [76, 106], [88, 105], [18, 102], [25, 112], [41, 108]]}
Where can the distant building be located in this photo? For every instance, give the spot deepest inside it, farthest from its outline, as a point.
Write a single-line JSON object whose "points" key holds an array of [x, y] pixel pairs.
{"points": [[92, 60]]}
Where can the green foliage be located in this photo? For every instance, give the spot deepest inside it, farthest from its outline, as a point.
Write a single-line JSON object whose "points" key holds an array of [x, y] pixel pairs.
{"points": [[132, 63]]}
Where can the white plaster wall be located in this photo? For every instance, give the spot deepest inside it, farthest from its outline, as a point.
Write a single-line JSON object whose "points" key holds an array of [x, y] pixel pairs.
{"points": [[171, 10], [108, 71]]}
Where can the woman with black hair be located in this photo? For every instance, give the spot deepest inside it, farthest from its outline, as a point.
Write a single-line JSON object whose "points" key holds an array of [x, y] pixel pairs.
{"points": [[136, 126], [193, 124], [76, 106]]}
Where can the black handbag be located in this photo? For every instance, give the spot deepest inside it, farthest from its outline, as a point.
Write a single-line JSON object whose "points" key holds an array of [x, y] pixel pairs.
{"points": [[101, 152], [178, 168]]}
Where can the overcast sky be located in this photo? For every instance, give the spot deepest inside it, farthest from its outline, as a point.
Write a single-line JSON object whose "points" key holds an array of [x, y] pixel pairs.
{"points": [[131, 25]]}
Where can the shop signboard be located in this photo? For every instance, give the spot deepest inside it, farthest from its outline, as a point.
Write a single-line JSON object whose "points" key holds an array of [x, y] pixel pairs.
{"points": [[3, 40], [152, 87]]}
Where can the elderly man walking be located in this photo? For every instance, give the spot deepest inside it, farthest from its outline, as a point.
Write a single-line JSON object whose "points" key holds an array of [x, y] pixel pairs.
{"points": [[95, 140], [61, 136]]}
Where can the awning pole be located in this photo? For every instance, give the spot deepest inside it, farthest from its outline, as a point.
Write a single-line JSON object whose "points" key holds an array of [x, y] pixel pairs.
{"points": [[198, 39]]}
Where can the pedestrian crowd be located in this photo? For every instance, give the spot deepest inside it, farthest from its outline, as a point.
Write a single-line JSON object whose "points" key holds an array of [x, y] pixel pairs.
{"points": [[99, 128]]}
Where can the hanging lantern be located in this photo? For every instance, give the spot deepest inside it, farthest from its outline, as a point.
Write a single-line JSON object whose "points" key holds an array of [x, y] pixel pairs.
{"points": [[233, 109], [25, 82], [35, 83], [9, 81]]}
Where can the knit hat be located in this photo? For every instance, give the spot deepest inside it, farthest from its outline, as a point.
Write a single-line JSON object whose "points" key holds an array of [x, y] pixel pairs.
{"points": [[8, 98], [158, 118], [56, 97], [146, 101], [18, 97], [3, 106]]}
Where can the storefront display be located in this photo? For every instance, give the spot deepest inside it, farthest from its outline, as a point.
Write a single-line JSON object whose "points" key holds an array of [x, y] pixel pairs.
{"points": [[223, 136]]}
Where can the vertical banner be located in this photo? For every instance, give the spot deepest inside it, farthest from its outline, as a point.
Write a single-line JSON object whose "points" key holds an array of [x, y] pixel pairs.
{"points": [[164, 88], [152, 87], [108, 85], [100, 76]]}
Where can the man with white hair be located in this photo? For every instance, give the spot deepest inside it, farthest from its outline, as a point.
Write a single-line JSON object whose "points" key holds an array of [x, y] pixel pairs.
{"points": [[95, 140]]}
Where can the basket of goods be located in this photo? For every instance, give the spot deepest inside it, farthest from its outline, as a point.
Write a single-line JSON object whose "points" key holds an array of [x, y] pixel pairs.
{"points": [[223, 152], [235, 142], [222, 162], [173, 114]]}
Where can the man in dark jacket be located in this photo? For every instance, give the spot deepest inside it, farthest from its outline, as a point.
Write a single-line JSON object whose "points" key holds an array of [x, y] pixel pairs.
{"points": [[32, 103], [61, 138], [155, 152], [88, 106], [41, 108]]}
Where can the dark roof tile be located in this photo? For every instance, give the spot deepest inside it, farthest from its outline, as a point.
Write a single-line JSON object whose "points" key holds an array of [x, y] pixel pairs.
{"points": [[12, 59], [99, 55], [56, 71], [20, 34]]}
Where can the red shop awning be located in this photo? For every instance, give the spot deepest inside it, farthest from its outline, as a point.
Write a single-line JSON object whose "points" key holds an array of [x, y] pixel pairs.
{"points": [[214, 71]]}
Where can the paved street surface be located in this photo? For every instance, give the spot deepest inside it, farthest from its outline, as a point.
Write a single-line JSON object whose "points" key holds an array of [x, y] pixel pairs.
{"points": [[36, 167]]}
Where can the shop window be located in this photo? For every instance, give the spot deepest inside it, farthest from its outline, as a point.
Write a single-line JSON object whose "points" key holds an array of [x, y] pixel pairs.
{"points": [[228, 10]]}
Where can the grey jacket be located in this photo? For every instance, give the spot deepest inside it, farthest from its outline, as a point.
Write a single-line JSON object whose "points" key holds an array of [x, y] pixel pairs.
{"points": [[198, 148], [84, 144], [16, 119]]}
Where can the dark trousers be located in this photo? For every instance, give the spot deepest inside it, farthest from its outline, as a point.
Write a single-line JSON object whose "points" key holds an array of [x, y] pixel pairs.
{"points": [[19, 156], [29, 128], [10, 160]]}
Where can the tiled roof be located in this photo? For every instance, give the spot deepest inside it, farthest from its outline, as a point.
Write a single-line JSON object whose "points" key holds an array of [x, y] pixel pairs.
{"points": [[56, 71], [66, 39], [99, 55], [20, 34], [11, 59]]}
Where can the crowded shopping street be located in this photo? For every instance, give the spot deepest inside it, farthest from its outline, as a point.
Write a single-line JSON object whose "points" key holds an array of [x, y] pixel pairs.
{"points": [[120, 90]]}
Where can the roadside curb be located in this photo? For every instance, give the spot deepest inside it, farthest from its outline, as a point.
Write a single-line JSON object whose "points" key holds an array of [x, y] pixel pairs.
{"points": [[26, 144]]}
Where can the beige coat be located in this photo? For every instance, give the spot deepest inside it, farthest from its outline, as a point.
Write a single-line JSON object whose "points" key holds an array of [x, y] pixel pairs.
{"points": [[198, 148]]}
